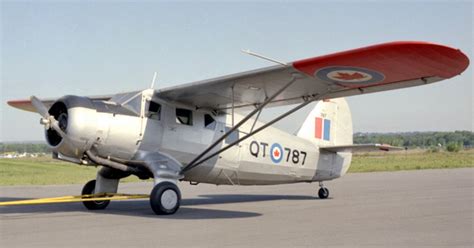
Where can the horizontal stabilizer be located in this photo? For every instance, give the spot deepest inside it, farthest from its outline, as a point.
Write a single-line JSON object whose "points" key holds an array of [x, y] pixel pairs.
{"points": [[360, 148]]}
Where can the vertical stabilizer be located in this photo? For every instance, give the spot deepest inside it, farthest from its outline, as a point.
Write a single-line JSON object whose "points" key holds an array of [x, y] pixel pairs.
{"points": [[328, 124]]}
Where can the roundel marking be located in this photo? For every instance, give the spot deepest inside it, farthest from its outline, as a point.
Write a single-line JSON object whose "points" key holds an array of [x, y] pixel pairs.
{"points": [[276, 153], [349, 75]]}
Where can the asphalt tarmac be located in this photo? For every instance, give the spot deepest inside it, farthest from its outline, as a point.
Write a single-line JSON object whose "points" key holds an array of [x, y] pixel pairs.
{"points": [[389, 209]]}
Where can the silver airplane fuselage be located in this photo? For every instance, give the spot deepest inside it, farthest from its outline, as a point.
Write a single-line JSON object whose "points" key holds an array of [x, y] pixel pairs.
{"points": [[179, 132]]}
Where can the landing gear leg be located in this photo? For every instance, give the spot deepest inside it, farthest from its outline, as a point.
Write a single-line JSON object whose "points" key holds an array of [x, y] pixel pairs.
{"points": [[107, 181], [323, 192], [165, 198]]}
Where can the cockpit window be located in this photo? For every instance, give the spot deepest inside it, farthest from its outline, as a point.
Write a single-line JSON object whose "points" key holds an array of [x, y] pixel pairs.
{"points": [[122, 97], [129, 101], [134, 104], [209, 122], [184, 116], [154, 110]]}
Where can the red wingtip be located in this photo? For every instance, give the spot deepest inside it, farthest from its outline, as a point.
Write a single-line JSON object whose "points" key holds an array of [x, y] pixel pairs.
{"points": [[396, 61], [15, 103], [24, 104]]}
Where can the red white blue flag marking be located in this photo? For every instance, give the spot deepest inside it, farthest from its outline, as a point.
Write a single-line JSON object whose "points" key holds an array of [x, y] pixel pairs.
{"points": [[322, 128]]}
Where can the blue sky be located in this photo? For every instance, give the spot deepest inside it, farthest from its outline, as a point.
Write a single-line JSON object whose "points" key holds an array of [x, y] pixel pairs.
{"points": [[50, 49]]}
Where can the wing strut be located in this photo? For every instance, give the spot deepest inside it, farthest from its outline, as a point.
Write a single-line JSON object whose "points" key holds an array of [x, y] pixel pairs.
{"points": [[306, 102], [293, 79], [256, 119]]}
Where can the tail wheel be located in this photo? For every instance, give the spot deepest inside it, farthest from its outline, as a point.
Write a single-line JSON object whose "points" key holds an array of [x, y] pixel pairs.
{"points": [[88, 189], [323, 193], [165, 198]]}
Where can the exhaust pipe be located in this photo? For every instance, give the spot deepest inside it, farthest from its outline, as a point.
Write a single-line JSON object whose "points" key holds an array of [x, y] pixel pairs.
{"points": [[111, 164]]}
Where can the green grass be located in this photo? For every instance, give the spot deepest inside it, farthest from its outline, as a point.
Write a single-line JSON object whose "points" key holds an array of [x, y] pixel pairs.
{"points": [[412, 160], [45, 171]]}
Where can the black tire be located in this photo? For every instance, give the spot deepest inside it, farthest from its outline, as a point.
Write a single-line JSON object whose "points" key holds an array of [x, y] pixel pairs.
{"points": [[89, 188], [172, 200], [323, 193]]}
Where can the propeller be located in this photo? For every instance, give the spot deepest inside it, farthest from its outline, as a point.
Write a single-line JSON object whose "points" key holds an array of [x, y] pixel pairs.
{"points": [[48, 120], [40, 107]]}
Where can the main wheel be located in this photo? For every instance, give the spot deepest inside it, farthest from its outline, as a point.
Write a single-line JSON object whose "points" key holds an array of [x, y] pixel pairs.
{"points": [[88, 189], [165, 198], [323, 193]]}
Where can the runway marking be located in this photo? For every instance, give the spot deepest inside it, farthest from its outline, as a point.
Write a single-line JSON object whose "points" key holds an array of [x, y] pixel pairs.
{"points": [[77, 198]]}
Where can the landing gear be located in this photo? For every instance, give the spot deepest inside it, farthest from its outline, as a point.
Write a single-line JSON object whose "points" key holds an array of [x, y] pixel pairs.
{"points": [[323, 192], [88, 189], [165, 198]]}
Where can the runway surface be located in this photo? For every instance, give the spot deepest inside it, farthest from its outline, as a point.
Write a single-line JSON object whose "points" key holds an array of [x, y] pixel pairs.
{"points": [[396, 209]]}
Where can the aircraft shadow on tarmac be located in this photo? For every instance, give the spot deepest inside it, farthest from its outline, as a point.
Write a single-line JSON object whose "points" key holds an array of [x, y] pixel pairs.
{"points": [[141, 208]]}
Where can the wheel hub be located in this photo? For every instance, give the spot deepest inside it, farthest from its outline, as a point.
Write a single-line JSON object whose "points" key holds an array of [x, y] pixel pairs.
{"points": [[169, 199]]}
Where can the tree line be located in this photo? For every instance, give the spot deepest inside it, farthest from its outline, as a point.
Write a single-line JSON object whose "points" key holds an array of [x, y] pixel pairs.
{"points": [[448, 140], [24, 147], [459, 139]]}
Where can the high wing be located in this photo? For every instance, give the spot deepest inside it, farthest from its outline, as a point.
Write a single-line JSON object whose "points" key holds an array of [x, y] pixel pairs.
{"points": [[360, 148], [365, 70], [25, 104]]}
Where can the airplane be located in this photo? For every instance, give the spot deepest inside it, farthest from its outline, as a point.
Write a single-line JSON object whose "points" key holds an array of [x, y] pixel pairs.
{"points": [[197, 132]]}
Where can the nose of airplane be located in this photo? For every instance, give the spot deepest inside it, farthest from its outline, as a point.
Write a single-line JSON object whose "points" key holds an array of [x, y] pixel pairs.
{"points": [[70, 125]]}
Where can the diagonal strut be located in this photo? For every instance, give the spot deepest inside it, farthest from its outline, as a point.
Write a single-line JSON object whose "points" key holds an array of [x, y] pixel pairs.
{"points": [[241, 122], [189, 167]]}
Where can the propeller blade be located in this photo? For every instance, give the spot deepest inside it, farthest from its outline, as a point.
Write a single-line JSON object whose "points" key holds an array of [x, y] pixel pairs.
{"points": [[55, 125], [48, 120], [40, 107]]}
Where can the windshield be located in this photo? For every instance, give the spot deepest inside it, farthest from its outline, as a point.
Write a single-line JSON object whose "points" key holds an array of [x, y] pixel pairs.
{"points": [[131, 101]]}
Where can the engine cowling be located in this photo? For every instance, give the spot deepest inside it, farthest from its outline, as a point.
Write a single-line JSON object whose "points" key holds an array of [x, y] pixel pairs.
{"points": [[77, 117]]}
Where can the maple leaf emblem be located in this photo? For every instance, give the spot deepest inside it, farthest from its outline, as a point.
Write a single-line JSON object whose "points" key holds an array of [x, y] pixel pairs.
{"points": [[349, 76], [276, 153]]}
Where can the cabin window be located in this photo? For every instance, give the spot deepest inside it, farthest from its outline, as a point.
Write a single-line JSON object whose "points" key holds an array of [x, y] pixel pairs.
{"points": [[209, 122], [184, 116], [234, 136], [154, 110]]}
